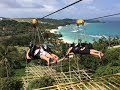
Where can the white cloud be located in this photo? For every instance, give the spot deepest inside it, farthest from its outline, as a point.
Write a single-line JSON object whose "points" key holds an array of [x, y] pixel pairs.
{"points": [[92, 8], [9, 4], [69, 1], [117, 6], [49, 8], [3, 5], [30, 8], [88, 1], [26, 3], [39, 8], [83, 1]]}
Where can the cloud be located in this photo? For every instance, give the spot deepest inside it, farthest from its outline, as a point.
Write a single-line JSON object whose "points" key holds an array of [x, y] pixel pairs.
{"points": [[2, 5], [117, 6], [88, 1], [83, 1], [92, 8], [9, 4], [39, 8], [49, 8], [68, 1], [29, 8], [26, 3]]}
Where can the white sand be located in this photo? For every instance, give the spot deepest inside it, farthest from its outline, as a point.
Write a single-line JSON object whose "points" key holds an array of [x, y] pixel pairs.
{"points": [[56, 30], [53, 30]]}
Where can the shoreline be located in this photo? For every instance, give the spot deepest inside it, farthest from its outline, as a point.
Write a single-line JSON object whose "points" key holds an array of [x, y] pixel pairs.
{"points": [[53, 31], [56, 31], [70, 38]]}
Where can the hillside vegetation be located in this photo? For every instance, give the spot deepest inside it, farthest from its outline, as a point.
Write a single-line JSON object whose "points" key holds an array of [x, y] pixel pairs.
{"points": [[15, 36]]}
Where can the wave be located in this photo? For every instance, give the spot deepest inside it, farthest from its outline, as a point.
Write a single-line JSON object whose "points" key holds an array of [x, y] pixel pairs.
{"points": [[98, 36], [94, 36], [60, 27], [77, 30]]}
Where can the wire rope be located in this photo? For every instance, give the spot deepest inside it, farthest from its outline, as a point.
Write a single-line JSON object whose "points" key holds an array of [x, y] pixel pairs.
{"points": [[104, 16], [61, 9]]}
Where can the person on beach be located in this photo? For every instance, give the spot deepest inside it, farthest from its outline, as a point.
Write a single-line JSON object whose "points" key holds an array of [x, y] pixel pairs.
{"points": [[36, 52], [83, 49]]}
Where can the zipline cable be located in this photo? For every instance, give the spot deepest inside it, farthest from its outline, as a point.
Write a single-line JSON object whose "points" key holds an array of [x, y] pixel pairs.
{"points": [[104, 16], [61, 9], [80, 21]]}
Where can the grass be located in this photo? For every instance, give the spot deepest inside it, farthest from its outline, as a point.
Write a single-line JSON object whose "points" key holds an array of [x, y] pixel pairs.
{"points": [[19, 72], [23, 19], [20, 49]]}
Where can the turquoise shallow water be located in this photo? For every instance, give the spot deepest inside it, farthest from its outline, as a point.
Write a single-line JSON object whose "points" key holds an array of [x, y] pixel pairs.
{"points": [[90, 31]]}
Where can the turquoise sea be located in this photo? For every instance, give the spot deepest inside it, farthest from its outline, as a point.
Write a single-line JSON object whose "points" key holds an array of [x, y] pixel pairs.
{"points": [[90, 31]]}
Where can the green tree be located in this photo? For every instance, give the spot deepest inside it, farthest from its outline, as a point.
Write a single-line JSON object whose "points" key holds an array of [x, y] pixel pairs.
{"points": [[8, 54], [42, 82], [10, 84]]}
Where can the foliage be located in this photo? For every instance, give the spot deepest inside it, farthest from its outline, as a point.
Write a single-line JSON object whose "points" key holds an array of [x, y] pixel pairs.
{"points": [[90, 62], [64, 48], [21, 33], [107, 70], [103, 43], [5, 72], [19, 72], [38, 62], [19, 40], [9, 60], [57, 23], [42, 82], [64, 67], [110, 63], [111, 56], [10, 84], [18, 64]]}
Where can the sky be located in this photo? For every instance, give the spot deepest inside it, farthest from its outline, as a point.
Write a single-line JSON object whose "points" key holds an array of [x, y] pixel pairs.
{"points": [[38, 8]]}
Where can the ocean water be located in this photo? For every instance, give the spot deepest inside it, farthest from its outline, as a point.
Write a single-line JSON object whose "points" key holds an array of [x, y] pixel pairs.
{"points": [[89, 32]]}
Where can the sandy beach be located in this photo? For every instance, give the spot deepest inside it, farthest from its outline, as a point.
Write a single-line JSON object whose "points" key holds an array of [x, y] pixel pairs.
{"points": [[55, 31]]}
